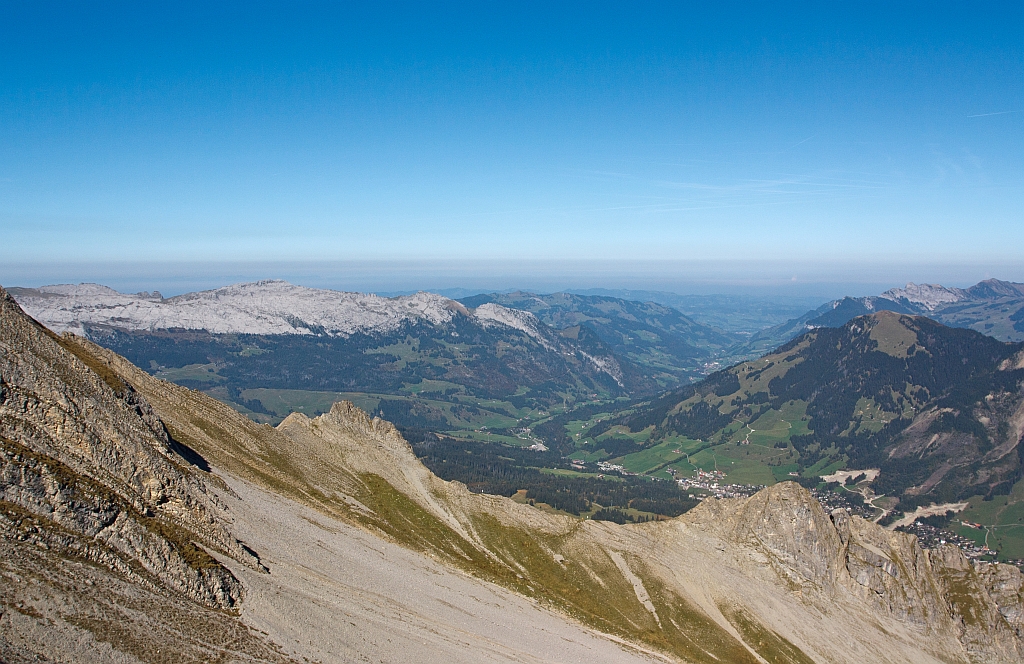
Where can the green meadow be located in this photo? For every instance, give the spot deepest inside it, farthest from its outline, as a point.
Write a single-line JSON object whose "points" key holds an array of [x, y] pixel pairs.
{"points": [[1002, 520]]}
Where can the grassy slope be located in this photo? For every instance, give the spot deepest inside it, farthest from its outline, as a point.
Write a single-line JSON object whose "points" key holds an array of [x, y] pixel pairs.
{"points": [[755, 430], [515, 557]]}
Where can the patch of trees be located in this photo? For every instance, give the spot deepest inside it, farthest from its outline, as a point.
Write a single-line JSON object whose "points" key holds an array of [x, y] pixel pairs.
{"points": [[654, 413], [1018, 319], [805, 482], [504, 470], [754, 375], [613, 515], [699, 421], [409, 413], [618, 516], [940, 521], [615, 446], [724, 383], [255, 405]]}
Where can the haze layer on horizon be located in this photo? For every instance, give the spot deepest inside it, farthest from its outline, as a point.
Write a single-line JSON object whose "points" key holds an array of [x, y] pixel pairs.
{"points": [[287, 132], [793, 280]]}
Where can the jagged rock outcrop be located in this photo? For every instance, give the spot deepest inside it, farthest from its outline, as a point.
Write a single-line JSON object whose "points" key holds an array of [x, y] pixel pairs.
{"points": [[87, 467], [837, 555]]}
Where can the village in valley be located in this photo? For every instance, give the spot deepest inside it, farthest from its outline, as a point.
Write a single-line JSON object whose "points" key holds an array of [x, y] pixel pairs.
{"points": [[705, 484]]}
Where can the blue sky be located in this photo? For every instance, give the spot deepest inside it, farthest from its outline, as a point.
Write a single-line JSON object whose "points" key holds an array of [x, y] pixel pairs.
{"points": [[838, 134]]}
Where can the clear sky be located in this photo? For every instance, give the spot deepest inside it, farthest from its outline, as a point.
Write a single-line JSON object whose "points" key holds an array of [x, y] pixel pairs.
{"points": [[814, 133]]}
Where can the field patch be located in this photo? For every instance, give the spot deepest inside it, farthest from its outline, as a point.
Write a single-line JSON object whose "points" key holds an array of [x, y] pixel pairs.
{"points": [[652, 458], [1001, 522]]}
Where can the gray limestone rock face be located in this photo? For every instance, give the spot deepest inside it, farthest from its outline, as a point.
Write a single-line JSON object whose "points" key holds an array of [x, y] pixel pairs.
{"points": [[940, 591], [86, 466]]}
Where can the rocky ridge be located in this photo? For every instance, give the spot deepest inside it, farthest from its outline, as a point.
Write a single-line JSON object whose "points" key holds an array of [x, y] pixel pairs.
{"points": [[933, 296], [259, 308], [262, 307]]}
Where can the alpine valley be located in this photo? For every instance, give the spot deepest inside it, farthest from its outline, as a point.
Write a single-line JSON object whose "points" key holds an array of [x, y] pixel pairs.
{"points": [[143, 521], [602, 407]]}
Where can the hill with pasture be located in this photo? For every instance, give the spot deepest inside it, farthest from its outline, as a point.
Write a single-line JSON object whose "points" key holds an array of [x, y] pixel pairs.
{"points": [[937, 412]]}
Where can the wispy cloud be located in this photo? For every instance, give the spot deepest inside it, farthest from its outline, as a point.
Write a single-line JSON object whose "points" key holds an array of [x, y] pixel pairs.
{"points": [[798, 143], [985, 115]]}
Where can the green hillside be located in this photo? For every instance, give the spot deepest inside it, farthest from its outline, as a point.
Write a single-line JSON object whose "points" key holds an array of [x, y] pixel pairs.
{"points": [[932, 408]]}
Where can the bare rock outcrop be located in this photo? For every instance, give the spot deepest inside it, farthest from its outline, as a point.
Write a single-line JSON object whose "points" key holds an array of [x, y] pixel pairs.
{"points": [[87, 467], [829, 557]]}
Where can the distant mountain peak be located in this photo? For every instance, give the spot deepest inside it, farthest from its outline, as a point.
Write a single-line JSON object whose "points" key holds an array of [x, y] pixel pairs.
{"points": [[491, 313], [994, 288], [928, 296], [956, 307]]}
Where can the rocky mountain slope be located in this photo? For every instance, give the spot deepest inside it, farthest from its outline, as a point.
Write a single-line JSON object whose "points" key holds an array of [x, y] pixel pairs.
{"points": [[104, 529], [992, 307]]}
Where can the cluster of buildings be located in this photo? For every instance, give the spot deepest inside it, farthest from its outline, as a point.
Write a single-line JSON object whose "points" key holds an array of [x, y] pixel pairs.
{"points": [[525, 433], [930, 537], [613, 468], [831, 500], [710, 483]]}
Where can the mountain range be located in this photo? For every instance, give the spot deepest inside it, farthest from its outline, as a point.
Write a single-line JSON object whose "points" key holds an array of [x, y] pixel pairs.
{"points": [[421, 360], [992, 307], [274, 335], [141, 521]]}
